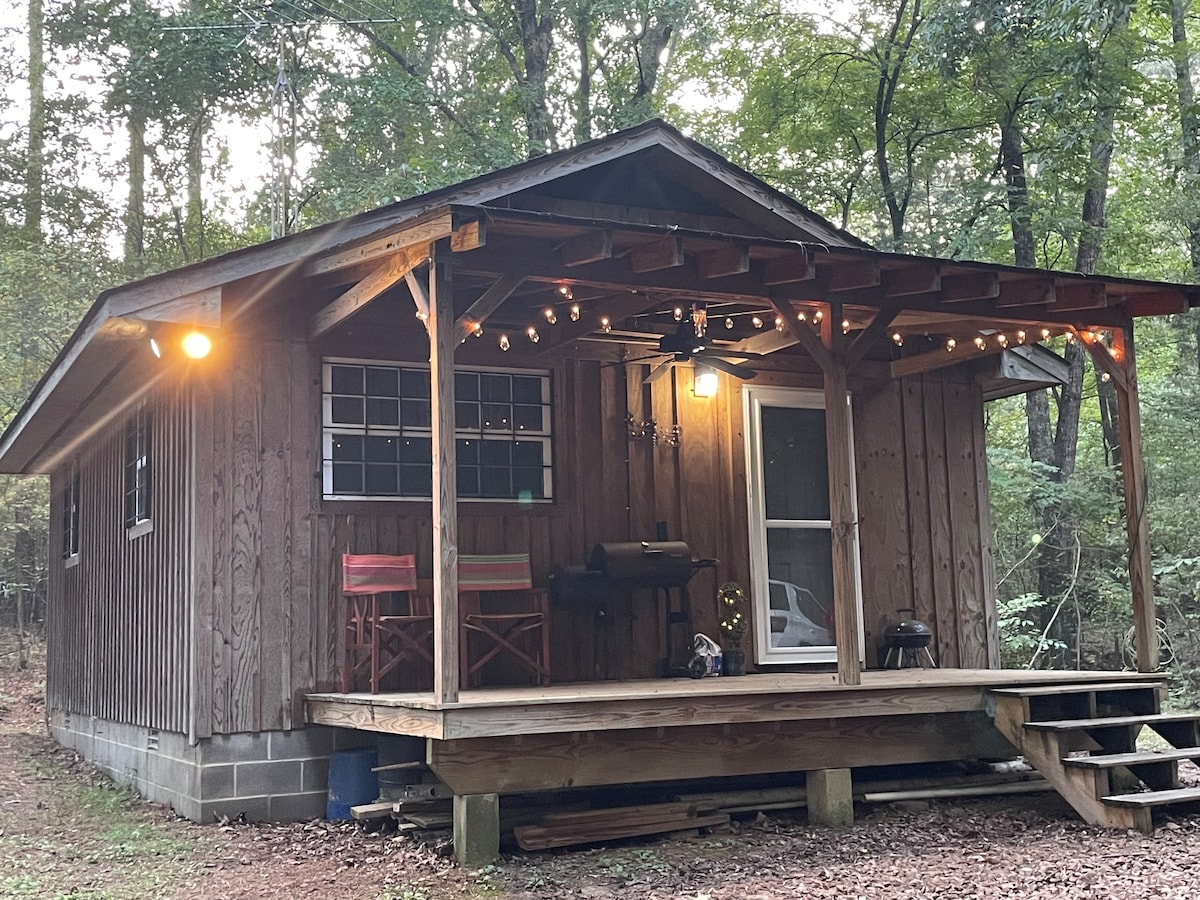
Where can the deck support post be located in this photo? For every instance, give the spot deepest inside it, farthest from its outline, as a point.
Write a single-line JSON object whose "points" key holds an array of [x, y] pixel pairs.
{"points": [[476, 829], [443, 339], [844, 530], [830, 797]]}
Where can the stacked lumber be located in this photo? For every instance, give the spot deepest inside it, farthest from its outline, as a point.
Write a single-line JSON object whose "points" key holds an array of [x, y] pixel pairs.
{"points": [[566, 829]]}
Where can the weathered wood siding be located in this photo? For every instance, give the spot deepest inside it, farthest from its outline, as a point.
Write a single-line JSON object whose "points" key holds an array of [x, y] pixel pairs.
{"points": [[118, 620]]}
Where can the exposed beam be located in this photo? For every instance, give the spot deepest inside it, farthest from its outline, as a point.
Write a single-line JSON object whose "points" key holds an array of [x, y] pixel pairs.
{"points": [[1026, 292], [973, 286], [805, 337], [420, 296], [788, 269], [731, 260], [1103, 358], [843, 277], [420, 232], [487, 304], [869, 337], [389, 273], [767, 341], [470, 235], [657, 255], [920, 278], [618, 308], [1070, 297], [1156, 303], [590, 247], [941, 359]]}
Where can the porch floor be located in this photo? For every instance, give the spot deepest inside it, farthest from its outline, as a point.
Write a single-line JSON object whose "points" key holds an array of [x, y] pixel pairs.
{"points": [[676, 702]]}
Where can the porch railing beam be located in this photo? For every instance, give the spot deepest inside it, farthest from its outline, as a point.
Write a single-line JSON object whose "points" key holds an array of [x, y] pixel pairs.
{"points": [[443, 338]]}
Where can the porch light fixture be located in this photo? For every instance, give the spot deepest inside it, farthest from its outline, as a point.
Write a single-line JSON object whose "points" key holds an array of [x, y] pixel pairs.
{"points": [[706, 382], [196, 345]]}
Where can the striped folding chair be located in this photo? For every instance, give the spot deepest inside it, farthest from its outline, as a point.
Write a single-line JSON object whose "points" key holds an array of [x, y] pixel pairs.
{"points": [[378, 641], [494, 621]]}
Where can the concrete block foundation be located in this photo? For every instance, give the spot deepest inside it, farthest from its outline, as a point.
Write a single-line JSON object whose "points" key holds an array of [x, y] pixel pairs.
{"points": [[276, 776]]}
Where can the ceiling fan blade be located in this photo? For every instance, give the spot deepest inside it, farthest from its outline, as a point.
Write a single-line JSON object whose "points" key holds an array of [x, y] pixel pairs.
{"points": [[632, 359], [734, 369], [660, 370]]}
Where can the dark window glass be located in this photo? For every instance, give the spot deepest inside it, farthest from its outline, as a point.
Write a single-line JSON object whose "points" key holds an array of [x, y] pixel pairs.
{"points": [[528, 453], [346, 379], [418, 480], [495, 482], [380, 449], [529, 484], [495, 453], [382, 411], [466, 385], [417, 450], [383, 382], [527, 389], [468, 480], [495, 387], [468, 452], [466, 415], [70, 523], [347, 410], [414, 383], [497, 417], [137, 467], [416, 414], [382, 479], [527, 418], [347, 446], [347, 478]]}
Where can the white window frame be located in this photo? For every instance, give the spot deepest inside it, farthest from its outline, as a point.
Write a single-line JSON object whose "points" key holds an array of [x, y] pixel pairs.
{"points": [[329, 428], [754, 399]]}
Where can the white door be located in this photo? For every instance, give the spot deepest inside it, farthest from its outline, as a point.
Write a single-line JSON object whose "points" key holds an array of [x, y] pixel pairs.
{"points": [[790, 535]]}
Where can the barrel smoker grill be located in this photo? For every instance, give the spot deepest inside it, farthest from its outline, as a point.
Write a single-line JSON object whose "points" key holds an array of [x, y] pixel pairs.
{"points": [[658, 566]]}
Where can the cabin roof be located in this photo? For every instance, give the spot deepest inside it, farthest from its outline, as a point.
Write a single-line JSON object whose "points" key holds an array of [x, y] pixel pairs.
{"points": [[640, 221]]}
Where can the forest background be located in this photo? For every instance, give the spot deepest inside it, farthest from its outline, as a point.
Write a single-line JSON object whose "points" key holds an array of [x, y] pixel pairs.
{"points": [[140, 135]]}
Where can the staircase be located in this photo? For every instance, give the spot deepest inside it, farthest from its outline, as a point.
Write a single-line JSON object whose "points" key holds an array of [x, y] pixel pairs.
{"points": [[1082, 738]]}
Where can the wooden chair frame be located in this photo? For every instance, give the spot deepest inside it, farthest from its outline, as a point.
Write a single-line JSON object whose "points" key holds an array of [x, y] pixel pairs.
{"points": [[506, 634]]}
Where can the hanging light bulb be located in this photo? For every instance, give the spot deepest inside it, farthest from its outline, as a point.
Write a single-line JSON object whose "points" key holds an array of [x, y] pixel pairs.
{"points": [[802, 316], [1045, 334], [565, 291], [574, 312], [551, 317], [1020, 337], [951, 343], [677, 312], [504, 344], [757, 322], [845, 326], [980, 343], [605, 324], [422, 315], [1105, 377], [534, 337], [898, 339], [1070, 337], [818, 315], [729, 322], [477, 329], [1002, 340], [779, 323]]}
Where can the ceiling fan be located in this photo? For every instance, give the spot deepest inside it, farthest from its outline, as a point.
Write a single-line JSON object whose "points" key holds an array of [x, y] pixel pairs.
{"points": [[686, 346]]}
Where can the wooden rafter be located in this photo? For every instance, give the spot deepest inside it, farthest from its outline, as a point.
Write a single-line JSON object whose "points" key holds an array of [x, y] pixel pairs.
{"points": [[385, 276], [869, 337], [453, 223], [487, 304]]}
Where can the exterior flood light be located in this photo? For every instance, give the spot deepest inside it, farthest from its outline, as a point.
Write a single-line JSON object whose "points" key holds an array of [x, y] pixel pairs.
{"points": [[706, 383], [196, 345]]}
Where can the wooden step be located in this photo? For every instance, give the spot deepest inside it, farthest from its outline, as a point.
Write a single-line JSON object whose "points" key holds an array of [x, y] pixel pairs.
{"points": [[1053, 690], [1148, 799], [1113, 722], [1142, 757]]}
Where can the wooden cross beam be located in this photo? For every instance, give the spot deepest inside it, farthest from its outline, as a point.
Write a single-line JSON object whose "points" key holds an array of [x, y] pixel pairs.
{"points": [[487, 304], [396, 267]]}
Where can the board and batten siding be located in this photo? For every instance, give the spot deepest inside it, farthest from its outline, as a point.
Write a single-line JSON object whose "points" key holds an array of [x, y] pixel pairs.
{"points": [[118, 622]]}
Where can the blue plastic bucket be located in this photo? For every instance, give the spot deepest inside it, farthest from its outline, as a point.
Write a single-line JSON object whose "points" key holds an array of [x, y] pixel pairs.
{"points": [[351, 781]]}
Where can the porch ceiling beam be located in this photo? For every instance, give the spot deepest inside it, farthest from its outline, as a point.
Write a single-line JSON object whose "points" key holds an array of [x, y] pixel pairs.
{"points": [[617, 309], [940, 359], [488, 302], [385, 276], [920, 278], [788, 269], [731, 260], [842, 277], [869, 337], [1026, 292], [657, 255], [806, 337], [1155, 303], [1104, 359], [1075, 297], [462, 227], [420, 295], [766, 342], [589, 247]]}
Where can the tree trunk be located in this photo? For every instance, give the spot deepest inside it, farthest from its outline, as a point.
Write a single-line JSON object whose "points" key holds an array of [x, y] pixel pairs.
{"points": [[193, 222], [35, 164], [135, 208], [583, 94], [537, 42], [1012, 162], [891, 67], [1189, 128]]}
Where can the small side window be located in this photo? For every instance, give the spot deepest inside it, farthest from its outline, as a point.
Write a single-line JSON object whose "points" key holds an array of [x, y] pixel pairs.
{"points": [[138, 482], [70, 514]]}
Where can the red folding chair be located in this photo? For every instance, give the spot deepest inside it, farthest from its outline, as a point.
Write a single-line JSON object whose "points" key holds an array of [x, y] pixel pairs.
{"points": [[378, 641], [520, 634]]}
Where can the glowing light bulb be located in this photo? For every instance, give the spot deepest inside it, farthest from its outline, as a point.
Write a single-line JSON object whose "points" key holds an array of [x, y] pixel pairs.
{"points": [[550, 315], [504, 344], [756, 322], [1045, 334], [1002, 340], [845, 325], [574, 312], [477, 329], [677, 312], [980, 343], [728, 321], [534, 337], [196, 345], [605, 324], [818, 316], [565, 291], [1020, 337], [951, 343], [1105, 377], [898, 339], [802, 316], [779, 323]]}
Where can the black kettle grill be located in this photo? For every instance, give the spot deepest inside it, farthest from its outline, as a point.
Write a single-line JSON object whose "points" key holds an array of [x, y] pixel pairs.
{"points": [[907, 644]]}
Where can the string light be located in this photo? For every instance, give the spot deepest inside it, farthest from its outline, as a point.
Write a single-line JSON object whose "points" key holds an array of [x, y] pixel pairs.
{"points": [[534, 337], [757, 322], [477, 329], [898, 339], [980, 343], [729, 322], [1002, 340], [1070, 337], [1105, 377], [1020, 337], [422, 315], [677, 312], [818, 316], [605, 324], [566, 292], [802, 316], [504, 344], [779, 323], [574, 312], [551, 317], [951, 343], [1045, 334], [845, 326]]}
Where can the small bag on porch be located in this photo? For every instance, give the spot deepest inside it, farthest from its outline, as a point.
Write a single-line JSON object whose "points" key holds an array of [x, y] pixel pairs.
{"points": [[706, 657]]}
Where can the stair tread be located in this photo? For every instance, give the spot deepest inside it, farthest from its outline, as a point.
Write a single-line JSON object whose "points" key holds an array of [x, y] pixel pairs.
{"points": [[1109, 760], [1049, 690], [1155, 798], [1113, 721]]}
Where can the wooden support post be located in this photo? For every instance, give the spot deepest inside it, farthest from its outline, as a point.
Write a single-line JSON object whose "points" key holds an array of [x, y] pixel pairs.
{"points": [[476, 829], [1137, 528], [843, 528], [830, 797], [442, 340]]}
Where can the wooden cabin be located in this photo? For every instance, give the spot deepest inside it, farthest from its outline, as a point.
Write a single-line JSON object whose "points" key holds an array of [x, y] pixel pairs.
{"points": [[512, 366]]}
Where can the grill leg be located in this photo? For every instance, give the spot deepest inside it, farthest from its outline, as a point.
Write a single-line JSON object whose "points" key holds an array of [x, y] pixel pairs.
{"points": [[674, 618]]}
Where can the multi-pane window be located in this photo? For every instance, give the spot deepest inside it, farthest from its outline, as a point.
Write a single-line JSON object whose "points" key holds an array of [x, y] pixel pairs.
{"points": [[70, 515], [377, 432], [137, 467]]}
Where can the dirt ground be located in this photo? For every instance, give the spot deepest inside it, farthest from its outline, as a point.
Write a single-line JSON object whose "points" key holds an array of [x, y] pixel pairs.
{"points": [[66, 832]]}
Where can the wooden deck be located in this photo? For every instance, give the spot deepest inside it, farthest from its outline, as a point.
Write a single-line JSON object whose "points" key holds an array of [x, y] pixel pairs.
{"points": [[676, 702]]}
